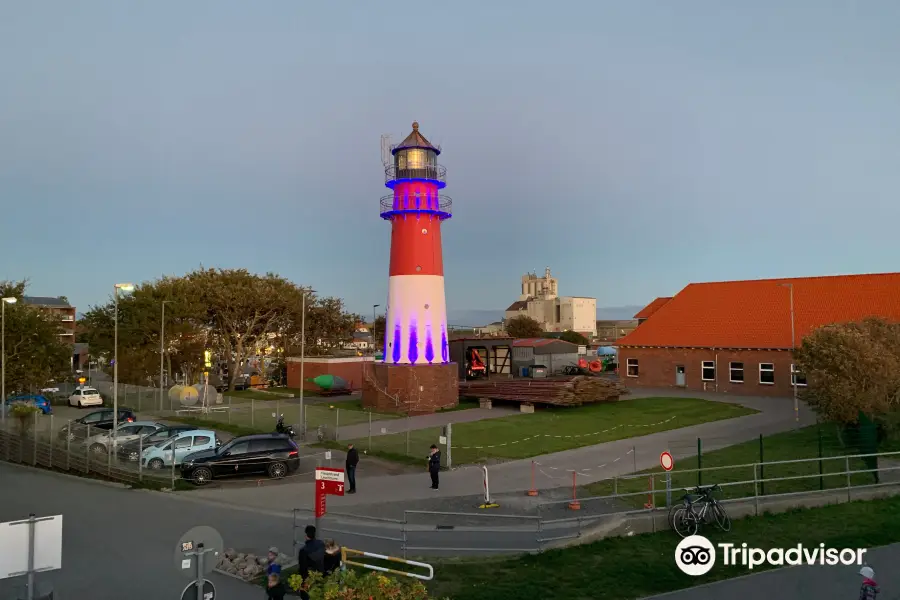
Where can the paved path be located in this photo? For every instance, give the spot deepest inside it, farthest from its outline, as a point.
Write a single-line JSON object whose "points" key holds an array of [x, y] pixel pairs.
{"points": [[593, 463], [814, 582]]}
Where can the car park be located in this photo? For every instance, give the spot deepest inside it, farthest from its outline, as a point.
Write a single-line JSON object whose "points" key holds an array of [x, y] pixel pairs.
{"points": [[274, 454], [38, 400], [132, 450], [85, 396], [101, 419], [182, 444], [127, 432]]}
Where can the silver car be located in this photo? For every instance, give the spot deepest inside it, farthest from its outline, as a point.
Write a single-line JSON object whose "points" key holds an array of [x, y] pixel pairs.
{"points": [[127, 432]]}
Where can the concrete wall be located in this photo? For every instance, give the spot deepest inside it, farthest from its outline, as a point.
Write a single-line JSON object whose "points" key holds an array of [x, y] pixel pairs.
{"points": [[657, 369]]}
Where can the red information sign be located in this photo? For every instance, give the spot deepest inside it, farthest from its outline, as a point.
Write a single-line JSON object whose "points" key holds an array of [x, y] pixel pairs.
{"points": [[329, 482], [666, 461]]}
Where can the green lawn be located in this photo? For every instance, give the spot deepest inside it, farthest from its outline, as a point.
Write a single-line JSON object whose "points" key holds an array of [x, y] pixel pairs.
{"points": [[555, 429], [642, 565], [735, 462]]}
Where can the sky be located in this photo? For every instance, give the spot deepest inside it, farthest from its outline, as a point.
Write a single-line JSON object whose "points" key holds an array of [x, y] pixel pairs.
{"points": [[633, 147]]}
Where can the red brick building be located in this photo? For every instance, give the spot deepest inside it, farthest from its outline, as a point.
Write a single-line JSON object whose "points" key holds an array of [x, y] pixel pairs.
{"points": [[736, 336]]}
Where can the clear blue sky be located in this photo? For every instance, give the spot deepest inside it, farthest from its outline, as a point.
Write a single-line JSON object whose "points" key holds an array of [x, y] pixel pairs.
{"points": [[632, 146]]}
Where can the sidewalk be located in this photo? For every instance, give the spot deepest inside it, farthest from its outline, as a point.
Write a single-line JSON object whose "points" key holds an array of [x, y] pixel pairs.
{"points": [[593, 463]]}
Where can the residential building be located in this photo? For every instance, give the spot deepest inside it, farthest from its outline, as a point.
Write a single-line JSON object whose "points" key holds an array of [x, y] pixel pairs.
{"points": [[540, 301], [737, 337], [60, 309]]}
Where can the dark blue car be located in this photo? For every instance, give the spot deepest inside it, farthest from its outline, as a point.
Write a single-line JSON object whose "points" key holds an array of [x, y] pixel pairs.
{"points": [[35, 400]]}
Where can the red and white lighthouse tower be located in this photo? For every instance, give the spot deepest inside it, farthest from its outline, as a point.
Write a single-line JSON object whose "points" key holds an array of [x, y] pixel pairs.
{"points": [[416, 367]]}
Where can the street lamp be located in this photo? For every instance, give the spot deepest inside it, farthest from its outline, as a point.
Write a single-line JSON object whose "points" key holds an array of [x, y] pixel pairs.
{"points": [[162, 350], [5, 301], [125, 287], [790, 287], [303, 357], [374, 306]]}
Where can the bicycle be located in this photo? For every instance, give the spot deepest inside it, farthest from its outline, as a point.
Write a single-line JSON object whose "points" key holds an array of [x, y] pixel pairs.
{"points": [[698, 507]]}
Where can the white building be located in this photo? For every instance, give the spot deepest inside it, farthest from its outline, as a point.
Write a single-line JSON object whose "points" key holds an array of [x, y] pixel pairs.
{"points": [[540, 301]]}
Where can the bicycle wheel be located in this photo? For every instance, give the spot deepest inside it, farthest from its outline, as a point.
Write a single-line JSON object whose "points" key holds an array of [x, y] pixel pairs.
{"points": [[672, 512], [684, 522], [722, 518]]}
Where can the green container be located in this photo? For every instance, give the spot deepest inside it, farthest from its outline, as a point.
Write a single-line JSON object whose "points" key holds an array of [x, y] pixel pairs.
{"points": [[329, 382]]}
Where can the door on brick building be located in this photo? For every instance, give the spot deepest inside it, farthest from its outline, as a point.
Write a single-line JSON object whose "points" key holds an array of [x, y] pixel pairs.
{"points": [[679, 375]]}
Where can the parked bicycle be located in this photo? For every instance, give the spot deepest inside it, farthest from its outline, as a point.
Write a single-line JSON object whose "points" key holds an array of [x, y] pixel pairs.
{"points": [[698, 507]]}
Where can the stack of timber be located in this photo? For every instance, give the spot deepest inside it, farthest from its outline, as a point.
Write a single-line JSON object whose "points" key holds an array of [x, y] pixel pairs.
{"points": [[557, 391]]}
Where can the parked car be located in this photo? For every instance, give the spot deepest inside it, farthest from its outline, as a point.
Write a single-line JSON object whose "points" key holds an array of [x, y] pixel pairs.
{"points": [[127, 432], [38, 400], [185, 443], [131, 451], [85, 396], [101, 419], [275, 454]]}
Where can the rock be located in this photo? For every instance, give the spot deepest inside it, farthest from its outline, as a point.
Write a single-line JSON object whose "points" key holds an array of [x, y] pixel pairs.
{"points": [[230, 553], [261, 561]]}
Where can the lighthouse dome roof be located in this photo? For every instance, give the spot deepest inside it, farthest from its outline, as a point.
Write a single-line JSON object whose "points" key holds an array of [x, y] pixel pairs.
{"points": [[415, 140]]}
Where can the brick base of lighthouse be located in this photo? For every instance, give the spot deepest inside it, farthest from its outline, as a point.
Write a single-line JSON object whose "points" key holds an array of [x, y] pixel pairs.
{"points": [[410, 389]]}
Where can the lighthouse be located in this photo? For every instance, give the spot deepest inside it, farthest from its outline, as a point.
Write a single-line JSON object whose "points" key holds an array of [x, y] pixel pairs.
{"points": [[415, 374]]}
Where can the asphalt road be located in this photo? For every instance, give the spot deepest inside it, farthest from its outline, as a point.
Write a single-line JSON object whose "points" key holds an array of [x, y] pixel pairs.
{"points": [[121, 543]]}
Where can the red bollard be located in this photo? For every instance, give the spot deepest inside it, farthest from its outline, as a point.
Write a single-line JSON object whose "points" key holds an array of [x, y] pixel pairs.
{"points": [[574, 504], [533, 491]]}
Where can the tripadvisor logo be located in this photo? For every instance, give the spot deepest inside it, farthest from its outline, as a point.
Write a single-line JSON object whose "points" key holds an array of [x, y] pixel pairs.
{"points": [[695, 555]]}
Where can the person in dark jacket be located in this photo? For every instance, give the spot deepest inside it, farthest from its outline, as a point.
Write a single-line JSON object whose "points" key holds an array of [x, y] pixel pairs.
{"points": [[275, 590], [312, 554], [869, 589], [434, 466], [332, 557], [352, 461]]}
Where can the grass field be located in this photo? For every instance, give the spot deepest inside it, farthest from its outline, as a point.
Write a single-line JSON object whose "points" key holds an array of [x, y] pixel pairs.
{"points": [[555, 429], [734, 464], [642, 565]]}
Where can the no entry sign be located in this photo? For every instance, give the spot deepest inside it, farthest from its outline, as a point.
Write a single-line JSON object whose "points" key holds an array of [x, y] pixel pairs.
{"points": [[666, 461], [329, 482]]}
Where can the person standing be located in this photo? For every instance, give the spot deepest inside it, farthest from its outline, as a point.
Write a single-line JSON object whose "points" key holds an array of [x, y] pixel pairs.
{"points": [[869, 589], [352, 461], [312, 555], [434, 466], [275, 589]]}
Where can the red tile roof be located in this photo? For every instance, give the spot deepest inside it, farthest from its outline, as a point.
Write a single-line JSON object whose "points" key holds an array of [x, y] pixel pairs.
{"points": [[652, 308], [757, 314]]}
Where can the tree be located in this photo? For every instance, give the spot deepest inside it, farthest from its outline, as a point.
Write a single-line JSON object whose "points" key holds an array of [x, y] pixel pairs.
{"points": [[327, 325], [853, 369], [524, 326], [35, 354], [378, 332], [574, 337]]}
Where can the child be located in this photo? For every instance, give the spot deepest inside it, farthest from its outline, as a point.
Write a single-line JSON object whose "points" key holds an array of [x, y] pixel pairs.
{"points": [[275, 590], [869, 589], [332, 557]]}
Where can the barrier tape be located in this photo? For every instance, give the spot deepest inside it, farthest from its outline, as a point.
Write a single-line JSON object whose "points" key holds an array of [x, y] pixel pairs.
{"points": [[583, 472], [546, 435]]}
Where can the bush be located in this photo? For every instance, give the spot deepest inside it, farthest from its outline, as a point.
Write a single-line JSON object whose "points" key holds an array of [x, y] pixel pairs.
{"points": [[353, 585], [23, 413]]}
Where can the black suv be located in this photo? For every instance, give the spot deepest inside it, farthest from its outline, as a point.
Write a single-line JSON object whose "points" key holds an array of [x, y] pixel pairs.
{"points": [[131, 451], [98, 419], [275, 454]]}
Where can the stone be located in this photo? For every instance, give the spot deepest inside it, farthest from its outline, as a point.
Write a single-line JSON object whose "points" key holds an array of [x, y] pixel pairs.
{"points": [[230, 553], [261, 561]]}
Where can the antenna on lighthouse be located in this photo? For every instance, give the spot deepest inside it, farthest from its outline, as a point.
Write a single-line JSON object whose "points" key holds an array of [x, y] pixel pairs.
{"points": [[386, 150]]}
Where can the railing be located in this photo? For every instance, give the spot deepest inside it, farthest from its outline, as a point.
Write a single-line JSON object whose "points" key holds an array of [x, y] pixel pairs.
{"points": [[432, 172], [439, 205], [345, 552]]}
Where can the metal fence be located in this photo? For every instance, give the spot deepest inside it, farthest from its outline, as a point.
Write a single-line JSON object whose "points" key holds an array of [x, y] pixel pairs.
{"points": [[323, 419], [624, 511]]}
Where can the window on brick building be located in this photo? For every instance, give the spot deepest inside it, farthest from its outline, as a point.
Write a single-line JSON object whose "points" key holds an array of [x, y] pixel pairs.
{"points": [[736, 372], [708, 372], [632, 367], [797, 377], [766, 373]]}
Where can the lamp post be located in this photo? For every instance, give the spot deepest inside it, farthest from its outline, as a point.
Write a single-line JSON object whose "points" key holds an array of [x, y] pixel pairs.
{"points": [[790, 287], [5, 301], [374, 343], [162, 351], [125, 287], [303, 358]]}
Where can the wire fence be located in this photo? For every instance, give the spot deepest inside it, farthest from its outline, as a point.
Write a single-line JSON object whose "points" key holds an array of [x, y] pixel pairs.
{"points": [[323, 418]]}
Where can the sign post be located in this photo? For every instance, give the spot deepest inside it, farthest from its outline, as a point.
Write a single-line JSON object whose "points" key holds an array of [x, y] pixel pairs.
{"points": [[667, 463], [329, 482], [35, 548], [195, 556]]}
